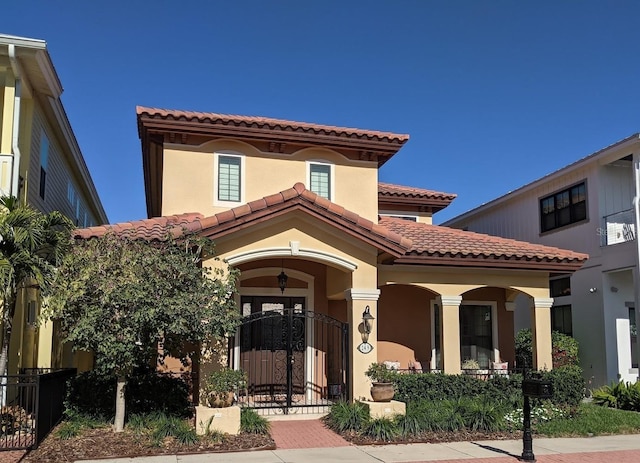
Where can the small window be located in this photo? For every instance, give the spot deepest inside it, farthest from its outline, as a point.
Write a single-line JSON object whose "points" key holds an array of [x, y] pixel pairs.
{"points": [[44, 161], [563, 208], [229, 178], [560, 287], [561, 319], [32, 313], [320, 180]]}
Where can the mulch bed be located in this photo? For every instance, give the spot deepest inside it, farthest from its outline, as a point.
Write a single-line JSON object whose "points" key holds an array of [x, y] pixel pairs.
{"points": [[103, 443]]}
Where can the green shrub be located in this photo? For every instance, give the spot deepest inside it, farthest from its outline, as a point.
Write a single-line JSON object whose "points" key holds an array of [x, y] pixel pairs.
{"points": [[564, 349], [568, 385], [93, 394], [483, 415], [379, 373], [625, 396], [164, 426], [345, 417], [381, 429], [436, 387], [252, 423], [68, 430]]}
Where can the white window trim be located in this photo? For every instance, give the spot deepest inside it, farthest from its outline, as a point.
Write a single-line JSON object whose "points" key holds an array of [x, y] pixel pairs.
{"points": [[332, 177], [216, 163]]}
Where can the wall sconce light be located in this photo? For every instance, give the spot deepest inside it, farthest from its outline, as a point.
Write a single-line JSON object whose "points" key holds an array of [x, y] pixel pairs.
{"points": [[367, 324], [614, 289], [282, 281], [593, 290]]}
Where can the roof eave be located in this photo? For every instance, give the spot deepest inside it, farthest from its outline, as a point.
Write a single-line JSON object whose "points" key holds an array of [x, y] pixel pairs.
{"points": [[564, 266]]}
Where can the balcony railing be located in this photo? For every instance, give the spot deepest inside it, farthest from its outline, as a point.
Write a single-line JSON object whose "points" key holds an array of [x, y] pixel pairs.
{"points": [[618, 228]]}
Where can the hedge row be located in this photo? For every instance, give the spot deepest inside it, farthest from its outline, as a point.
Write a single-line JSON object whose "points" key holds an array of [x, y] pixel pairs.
{"points": [[568, 387]]}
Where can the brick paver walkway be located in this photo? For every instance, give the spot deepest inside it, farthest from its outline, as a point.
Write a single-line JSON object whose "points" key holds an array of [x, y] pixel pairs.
{"points": [[304, 434], [619, 456]]}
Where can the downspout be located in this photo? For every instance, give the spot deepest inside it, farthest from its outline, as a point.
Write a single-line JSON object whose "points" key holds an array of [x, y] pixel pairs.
{"points": [[636, 209], [15, 173]]}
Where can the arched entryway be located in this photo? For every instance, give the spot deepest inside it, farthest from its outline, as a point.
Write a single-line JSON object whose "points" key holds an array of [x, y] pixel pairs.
{"points": [[292, 344]]}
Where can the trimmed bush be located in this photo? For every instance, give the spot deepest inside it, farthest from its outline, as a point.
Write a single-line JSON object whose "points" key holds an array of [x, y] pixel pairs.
{"points": [[437, 387], [568, 385]]}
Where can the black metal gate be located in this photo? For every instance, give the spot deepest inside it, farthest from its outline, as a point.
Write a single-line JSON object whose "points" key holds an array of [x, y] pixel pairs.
{"points": [[295, 359]]}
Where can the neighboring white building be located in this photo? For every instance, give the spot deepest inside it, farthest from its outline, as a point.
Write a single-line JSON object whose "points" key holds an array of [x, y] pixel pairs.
{"points": [[588, 206]]}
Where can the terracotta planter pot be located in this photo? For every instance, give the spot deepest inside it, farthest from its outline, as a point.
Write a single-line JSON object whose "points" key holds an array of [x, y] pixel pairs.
{"points": [[382, 392], [221, 400]]}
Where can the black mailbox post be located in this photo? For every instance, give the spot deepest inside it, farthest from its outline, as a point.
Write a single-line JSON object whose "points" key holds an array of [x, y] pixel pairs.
{"points": [[536, 388]]}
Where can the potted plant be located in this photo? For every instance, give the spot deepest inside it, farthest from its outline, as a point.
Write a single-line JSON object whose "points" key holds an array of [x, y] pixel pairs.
{"points": [[382, 387], [220, 386], [470, 366]]}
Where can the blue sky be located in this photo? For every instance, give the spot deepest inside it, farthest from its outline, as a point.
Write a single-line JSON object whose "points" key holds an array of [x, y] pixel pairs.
{"points": [[494, 94]]}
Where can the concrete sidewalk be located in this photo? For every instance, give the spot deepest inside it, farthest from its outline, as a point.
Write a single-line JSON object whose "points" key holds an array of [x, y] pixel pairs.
{"points": [[621, 449]]}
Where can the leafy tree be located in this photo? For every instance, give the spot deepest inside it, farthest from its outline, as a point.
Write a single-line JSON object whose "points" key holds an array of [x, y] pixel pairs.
{"points": [[32, 244], [129, 301]]}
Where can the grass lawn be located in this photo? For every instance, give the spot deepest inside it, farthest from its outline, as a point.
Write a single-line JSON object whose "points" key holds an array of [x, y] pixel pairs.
{"points": [[592, 420]]}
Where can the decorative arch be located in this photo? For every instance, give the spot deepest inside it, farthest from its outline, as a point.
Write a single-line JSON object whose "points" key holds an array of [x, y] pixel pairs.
{"points": [[293, 250]]}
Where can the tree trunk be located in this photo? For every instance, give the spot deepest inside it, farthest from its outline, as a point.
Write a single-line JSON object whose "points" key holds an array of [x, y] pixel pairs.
{"points": [[9, 307], [118, 425]]}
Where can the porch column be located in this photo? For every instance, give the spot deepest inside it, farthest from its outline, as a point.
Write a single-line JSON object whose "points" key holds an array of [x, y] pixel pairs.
{"points": [[450, 335], [357, 301], [541, 333]]}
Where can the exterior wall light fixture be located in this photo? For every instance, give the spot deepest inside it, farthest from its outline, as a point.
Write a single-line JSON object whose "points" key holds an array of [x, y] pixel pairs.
{"points": [[367, 324]]}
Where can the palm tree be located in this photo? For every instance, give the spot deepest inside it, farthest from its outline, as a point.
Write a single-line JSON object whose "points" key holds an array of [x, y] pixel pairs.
{"points": [[31, 246]]}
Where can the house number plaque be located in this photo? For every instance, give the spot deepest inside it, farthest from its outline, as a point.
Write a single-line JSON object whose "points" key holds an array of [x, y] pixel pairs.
{"points": [[365, 347]]}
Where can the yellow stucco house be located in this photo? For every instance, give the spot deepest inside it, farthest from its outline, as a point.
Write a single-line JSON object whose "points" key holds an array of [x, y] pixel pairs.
{"points": [[325, 249], [42, 165]]}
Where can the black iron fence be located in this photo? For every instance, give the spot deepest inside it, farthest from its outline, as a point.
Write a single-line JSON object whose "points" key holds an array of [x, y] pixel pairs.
{"points": [[32, 404]]}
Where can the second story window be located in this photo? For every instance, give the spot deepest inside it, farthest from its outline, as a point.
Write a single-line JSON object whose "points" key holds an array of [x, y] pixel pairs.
{"points": [[320, 181], [229, 178], [563, 208], [44, 160]]}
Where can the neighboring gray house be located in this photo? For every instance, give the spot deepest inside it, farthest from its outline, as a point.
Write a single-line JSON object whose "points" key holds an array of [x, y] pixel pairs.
{"points": [[589, 206]]}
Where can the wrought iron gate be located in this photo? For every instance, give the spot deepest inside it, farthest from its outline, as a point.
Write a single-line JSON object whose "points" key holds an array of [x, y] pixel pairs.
{"points": [[295, 359]]}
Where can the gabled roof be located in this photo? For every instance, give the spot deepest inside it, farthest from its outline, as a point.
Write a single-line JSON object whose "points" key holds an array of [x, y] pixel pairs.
{"points": [[392, 196], [256, 212], [551, 177], [407, 242], [438, 245]]}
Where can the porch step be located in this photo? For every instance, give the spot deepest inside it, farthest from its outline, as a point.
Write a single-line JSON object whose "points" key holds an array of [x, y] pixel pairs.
{"points": [[306, 434]]}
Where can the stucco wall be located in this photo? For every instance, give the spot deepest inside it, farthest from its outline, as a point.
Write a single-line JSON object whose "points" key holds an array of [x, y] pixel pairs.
{"points": [[189, 180]]}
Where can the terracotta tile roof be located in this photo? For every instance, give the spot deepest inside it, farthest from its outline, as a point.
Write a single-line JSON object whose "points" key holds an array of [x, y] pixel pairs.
{"points": [[154, 229], [389, 189], [255, 212], [438, 244], [299, 197], [270, 123], [408, 242]]}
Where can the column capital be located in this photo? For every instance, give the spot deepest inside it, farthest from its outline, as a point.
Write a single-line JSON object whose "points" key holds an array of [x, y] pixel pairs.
{"points": [[542, 302], [449, 300], [361, 294]]}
